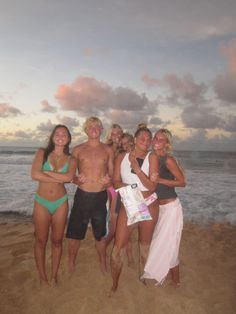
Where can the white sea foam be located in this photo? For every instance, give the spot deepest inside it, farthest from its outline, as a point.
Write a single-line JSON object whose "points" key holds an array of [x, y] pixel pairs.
{"points": [[208, 197]]}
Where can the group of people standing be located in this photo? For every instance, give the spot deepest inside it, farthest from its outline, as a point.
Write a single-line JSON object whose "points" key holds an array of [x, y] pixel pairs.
{"points": [[99, 169]]}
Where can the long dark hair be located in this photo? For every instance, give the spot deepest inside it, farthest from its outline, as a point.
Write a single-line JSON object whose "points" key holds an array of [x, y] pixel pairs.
{"points": [[50, 146]]}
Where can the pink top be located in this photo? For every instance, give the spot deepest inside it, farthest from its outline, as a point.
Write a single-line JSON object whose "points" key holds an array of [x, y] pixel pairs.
{"points": [[112, 191]]}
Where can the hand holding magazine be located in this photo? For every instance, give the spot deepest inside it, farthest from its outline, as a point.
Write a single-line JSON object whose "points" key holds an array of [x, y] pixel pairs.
{"points": [[136, 206]]}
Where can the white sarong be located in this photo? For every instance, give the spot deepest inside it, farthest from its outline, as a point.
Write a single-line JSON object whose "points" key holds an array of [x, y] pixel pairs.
{"points": [[164, 249]]}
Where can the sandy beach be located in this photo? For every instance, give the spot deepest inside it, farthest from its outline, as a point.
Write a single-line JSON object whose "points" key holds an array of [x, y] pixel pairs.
{"points": [[208, 277]]}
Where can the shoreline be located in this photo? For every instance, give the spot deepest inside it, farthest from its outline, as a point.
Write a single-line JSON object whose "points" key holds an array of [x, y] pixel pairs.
{"points": [[207, 272], [15, 217]]}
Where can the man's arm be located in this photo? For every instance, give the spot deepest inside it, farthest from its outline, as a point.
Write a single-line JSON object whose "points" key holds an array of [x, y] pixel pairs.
{"points": [[106, 181]]}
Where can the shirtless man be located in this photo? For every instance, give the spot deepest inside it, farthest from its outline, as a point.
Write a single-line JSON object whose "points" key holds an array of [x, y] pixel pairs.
{"points": [[95, 168]]}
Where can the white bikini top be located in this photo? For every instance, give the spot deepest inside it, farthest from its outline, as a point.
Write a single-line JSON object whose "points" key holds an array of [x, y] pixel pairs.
{"points": [[130, 178]]}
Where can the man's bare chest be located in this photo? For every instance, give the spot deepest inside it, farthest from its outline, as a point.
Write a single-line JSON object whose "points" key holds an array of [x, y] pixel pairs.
{"points": [[93, 156]]}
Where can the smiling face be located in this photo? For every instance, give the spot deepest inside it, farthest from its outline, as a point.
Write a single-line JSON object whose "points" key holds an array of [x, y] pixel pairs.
{"points": [[116, 134], [61, 137], [126, 144], [159, 142], [93, 130], [143, 141]]}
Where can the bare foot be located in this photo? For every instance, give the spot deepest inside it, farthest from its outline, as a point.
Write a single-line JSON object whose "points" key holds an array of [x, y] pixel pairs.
{"points": [[44, 283], [71, 267], [103, 268], [54, 282], [112, 291], [175, 284]]}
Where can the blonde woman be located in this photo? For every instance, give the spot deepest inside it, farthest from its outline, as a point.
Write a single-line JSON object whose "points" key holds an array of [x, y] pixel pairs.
{"points": [[113, 140], [163, 255]]}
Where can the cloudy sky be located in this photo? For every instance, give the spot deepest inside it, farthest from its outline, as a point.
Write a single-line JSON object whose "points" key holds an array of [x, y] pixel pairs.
{"points": [[167, 63]]}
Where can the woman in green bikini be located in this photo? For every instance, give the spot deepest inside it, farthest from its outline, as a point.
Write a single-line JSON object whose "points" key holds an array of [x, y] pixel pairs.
{"points": [[52, 167]]}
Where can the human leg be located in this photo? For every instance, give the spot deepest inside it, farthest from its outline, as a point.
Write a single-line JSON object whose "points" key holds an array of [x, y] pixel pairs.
{"points": [[112, 221], [101, 251], [122, 236], [174, 272], [42, 221], [73, 248], [98, 221], [129, 253], [58, 227], [174, 263], [146, 229], [77, 227]]}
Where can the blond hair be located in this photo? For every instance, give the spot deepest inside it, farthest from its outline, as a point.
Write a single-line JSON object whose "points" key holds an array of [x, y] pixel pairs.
{"points": [[112, 127], [92, 120], [168, 136]]}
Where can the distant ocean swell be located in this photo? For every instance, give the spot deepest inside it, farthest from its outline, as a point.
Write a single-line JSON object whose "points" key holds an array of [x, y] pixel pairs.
{"points": [[208, 197]]}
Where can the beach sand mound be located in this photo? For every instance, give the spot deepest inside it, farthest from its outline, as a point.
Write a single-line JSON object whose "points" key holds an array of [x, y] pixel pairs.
{"points": [[208, 277]]}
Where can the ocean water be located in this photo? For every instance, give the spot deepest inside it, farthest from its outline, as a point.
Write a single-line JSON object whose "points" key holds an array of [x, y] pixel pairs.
{"points": [[210, 194]]}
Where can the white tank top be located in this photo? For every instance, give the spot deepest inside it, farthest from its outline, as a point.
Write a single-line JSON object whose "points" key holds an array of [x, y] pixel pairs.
{"points": [[128, 177]]}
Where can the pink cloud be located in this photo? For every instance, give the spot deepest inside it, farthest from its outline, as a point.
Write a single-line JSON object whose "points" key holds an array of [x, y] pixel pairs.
{"points": [[229, 51], [149, 81], [85, 94], [47, 107], [88, 96], [185, 87], [179, 87], [7, 110], [225, 83]]}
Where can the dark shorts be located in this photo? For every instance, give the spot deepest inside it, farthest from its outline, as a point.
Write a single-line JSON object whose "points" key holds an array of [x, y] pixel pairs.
{"points": [[88, 207]]}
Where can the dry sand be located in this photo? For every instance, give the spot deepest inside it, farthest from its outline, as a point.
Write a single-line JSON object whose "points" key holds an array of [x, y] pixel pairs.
{"points": [[208, 277]]}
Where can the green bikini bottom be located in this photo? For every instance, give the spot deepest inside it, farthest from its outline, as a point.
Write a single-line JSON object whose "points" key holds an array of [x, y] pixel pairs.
{"points": [[51, 206]]}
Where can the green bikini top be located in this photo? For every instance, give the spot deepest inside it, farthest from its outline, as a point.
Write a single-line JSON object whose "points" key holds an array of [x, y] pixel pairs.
{"points": [[48, 167]]}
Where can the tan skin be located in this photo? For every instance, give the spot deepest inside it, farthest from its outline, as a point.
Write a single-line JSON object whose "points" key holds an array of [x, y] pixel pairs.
{"points": [[127, 146], [51, 187], [159, 145], [115, 136], [145, 228], [95, 167]]}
